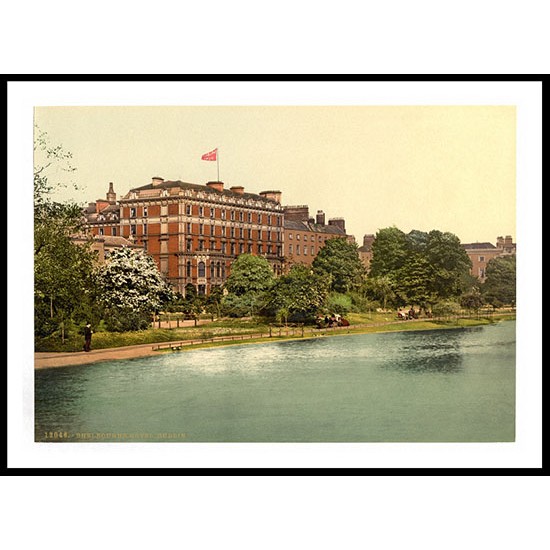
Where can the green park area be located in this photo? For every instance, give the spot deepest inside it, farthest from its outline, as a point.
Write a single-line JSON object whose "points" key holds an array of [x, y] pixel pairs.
{"points": [[127, 301]]}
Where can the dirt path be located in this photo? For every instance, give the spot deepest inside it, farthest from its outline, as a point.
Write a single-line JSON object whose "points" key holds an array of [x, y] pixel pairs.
{"points": [[44, 360]]}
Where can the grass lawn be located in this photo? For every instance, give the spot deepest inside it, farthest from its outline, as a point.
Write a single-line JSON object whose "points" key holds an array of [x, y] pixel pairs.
{"points": [[384, 322]]}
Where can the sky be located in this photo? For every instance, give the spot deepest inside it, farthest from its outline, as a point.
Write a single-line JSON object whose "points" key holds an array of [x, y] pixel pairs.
{"points": [[445, 167]]}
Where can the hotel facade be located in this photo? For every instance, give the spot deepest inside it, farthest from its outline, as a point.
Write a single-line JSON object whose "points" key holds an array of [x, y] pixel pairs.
{"points": [[195, 232]]}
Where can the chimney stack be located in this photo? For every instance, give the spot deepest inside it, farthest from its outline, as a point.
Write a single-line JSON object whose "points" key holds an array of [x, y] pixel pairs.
{"points": [[320, 217], [368, 240], [157, 180], [271, 195], [297, 213], [239, 189], [216, 185], [338, 222]]}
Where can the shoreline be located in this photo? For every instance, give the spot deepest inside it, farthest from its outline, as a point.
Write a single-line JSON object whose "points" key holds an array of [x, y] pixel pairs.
{"points": [[46, 360]]}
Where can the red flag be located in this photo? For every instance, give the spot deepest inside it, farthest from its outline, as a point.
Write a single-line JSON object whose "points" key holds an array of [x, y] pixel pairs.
{"points": [[213, 155]]}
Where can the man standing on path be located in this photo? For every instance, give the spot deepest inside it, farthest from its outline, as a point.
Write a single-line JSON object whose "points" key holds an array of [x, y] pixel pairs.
{"points": [[87, 337]]}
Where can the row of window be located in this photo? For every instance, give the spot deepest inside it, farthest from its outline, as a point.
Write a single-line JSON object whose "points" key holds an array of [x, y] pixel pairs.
{"points": [[312, 238], [234, 232], [305, 250], [216, 270], [232, 248], [101, 231], [223, 214]]}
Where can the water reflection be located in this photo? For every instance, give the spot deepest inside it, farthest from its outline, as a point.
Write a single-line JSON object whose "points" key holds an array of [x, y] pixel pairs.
{"points": [[428, 352]]}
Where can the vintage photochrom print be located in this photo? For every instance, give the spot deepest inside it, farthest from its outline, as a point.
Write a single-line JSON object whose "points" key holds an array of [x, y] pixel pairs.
{"points": [[275, 273]]}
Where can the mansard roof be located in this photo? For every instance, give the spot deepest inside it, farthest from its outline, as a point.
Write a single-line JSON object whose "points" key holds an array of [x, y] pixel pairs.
{"points": [[197, 187], [314, 227]]}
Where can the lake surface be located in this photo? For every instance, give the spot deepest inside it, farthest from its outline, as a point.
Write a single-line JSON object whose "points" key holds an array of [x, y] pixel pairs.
{"points": [[448, 385]]}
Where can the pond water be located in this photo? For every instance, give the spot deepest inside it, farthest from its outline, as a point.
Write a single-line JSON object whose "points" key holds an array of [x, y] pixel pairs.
{"points": [[453, 385]]}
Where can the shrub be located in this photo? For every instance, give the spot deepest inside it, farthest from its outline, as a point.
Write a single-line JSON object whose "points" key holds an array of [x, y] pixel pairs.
{"points": [[338, 303], [121, 320], [446, 308]]}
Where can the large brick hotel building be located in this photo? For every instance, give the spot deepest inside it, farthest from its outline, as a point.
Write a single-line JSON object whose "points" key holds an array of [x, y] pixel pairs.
{"points": [[195, 232]]}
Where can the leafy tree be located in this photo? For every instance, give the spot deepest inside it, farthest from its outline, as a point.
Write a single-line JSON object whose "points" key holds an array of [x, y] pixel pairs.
{"points": [[421, 268], [250, 278], [472, 300], [63, 282], [214, 301], [131, 289], [415, 280], [499, 287], [339, 262], [193, 303], [298, 295], [381, 289], [390, 250], [249, 274], [242, 306], [446, 308], [449, 261]]}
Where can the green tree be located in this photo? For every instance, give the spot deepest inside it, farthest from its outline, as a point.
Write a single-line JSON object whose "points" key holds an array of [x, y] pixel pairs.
{"points": [[446, 308], [381, 289], [421, 268], [249, 274], [472, 300], [193, 303], [63, 282], [213, 301], [390, 250], [242, 306], [339, 262], [499, 287], [298, 295], [250, 278], [414, 282], [131, 290], [450, 264]]}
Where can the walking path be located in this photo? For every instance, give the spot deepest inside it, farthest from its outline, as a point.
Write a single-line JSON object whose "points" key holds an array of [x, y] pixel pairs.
{"points": [[44, 360]]}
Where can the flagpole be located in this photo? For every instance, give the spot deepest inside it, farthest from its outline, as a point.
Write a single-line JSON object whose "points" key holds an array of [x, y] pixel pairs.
{"points": [[218, 162]]}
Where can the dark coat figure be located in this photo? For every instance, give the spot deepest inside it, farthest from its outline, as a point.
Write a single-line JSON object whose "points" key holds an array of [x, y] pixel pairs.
{"points": [[88, 337]]}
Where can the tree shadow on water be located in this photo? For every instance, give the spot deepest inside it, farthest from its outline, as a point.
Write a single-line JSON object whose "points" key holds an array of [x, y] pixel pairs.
{"points": [[428, 353]]}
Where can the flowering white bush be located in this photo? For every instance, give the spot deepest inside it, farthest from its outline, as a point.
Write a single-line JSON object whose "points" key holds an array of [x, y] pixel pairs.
{"points": [[130, 283]]}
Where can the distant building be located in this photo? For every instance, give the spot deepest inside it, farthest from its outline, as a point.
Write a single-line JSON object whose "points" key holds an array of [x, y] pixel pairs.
{"points": [[105, 245], [304, 236], [481, 253], [103, 216], [365, 251]]}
